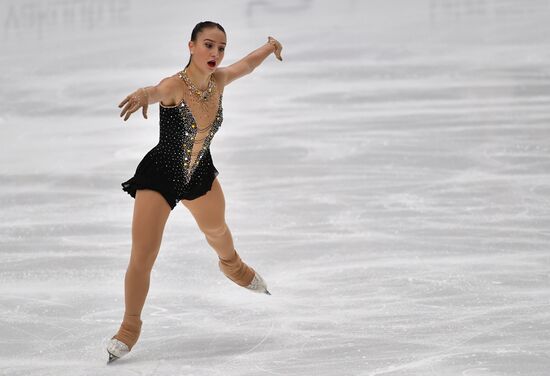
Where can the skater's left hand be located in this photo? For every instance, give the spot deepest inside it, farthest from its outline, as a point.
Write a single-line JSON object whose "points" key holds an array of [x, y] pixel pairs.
{"points": [[278, 47]]}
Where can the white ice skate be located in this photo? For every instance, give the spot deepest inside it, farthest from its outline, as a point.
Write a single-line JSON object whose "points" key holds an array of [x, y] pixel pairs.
{"points": [[258, 285], [235, 265], [116, 349]]}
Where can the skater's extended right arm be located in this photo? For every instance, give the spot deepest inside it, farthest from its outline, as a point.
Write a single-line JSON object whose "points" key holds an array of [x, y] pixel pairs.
{"points": [[145, 96]]}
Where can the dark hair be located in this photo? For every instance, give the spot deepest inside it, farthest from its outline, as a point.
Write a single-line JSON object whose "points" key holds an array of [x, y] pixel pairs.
{"points": [[199, 27]]}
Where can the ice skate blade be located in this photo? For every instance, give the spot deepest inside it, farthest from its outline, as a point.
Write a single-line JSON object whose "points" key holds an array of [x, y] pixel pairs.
{"points": [[258, 285], [116, 349], [112, 358]]}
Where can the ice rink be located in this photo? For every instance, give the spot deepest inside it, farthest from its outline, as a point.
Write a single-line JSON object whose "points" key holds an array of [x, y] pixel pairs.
{"points": [[390, 179]]}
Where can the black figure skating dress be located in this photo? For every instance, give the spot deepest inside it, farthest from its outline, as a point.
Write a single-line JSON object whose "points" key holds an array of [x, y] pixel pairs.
{"points": [[180, 165]]}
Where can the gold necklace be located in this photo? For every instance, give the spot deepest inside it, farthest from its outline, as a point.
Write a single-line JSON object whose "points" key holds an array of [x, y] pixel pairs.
{"points": [[202, 95], [201, 102]]}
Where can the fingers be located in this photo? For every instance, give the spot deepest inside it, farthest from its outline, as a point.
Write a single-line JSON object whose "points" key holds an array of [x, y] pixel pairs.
{"points": [[133, 102], [124, 101], [127, 108], [278, 54], [278, 47], [130, 111], [279, 50]]}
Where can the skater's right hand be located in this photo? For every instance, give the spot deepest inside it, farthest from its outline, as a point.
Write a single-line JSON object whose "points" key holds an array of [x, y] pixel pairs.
{"points": [[139, 98]]}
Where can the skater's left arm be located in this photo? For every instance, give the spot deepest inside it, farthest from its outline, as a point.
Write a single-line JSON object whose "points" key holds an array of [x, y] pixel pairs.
{"points": [[248, 63]]}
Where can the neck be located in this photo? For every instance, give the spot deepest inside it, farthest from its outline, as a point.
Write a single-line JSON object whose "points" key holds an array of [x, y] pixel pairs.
{"points": [[200, 79]]}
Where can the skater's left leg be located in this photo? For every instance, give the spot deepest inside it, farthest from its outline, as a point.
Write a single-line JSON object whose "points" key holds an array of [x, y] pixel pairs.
{"points": [[209, 213]]}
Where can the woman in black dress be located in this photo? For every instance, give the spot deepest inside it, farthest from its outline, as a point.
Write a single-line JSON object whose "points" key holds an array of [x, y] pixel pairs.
{"points": [[180, 168]]}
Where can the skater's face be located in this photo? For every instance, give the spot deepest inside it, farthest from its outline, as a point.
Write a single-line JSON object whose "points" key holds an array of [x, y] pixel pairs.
{"points": [[208, 51]]}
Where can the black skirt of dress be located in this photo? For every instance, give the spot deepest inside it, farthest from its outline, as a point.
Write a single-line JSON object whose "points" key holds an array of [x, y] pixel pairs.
{"points": [[149, 175]]}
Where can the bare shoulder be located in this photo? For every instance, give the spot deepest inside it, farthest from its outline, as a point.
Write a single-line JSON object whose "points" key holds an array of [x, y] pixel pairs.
{"points": [[169, 89], [171, 81], [221, 77]]}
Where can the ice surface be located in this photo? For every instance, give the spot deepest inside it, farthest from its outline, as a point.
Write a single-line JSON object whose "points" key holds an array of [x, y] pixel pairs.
{"points": [[389, 179]]}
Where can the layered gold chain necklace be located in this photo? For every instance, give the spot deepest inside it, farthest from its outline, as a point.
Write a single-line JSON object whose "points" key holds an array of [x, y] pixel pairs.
{"points": [[204, 101], [201, 95]]}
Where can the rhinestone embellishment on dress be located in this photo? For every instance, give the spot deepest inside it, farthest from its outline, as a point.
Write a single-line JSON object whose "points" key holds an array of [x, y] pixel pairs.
{"points": [[189, 163], [183, 151]]}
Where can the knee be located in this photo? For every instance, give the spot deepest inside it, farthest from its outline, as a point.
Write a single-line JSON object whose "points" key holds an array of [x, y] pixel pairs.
{"points": [[140, 266], [215, 231], [142, 260]]}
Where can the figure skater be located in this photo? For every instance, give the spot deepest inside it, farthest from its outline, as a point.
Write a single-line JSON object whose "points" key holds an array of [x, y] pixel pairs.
{"points": [[180, 168]]}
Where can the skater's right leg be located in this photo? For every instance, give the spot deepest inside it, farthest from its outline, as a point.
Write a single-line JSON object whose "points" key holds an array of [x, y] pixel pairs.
{"points": [[151, 212]]}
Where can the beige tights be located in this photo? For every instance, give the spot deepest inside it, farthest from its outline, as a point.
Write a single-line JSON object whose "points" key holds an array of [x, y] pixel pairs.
{"points": [[236, 270], [129, 331], [151, 212], [209, 213]]}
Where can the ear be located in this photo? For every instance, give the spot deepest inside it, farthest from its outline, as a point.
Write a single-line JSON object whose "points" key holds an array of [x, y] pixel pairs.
{"points": [[191, 47]]}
